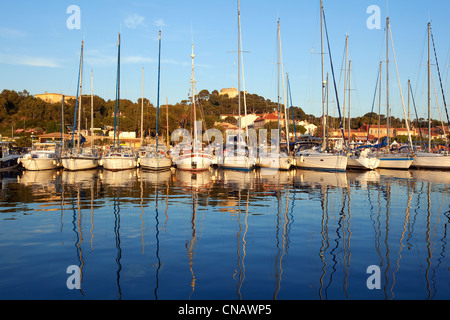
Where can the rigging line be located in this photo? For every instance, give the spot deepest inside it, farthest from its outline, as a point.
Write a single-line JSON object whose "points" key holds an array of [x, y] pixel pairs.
{"points": [[401, 94], [439, 74], [415, 109], [334, 80], [373, 104], [78, 92]]}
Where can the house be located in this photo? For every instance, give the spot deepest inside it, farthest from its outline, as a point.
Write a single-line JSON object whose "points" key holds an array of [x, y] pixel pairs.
{"points": [[260, 122], [53, 97]]}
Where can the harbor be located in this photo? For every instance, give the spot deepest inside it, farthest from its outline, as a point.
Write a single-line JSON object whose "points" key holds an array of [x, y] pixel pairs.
{"points": [[305, 180]]}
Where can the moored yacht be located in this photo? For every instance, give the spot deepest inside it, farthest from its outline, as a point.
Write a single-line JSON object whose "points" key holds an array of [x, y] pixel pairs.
{"points": [[362, 160], [42, 156], [119, 158], [153, 159], [315, 158]]}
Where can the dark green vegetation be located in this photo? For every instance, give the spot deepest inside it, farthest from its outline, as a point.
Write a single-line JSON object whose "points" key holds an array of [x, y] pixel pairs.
{"points": [[21, 110]]}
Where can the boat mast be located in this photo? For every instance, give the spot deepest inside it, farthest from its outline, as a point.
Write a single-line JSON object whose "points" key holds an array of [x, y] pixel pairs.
{"points": [[323, 83], [157, 100], [92, 109], [167, 123], [79, 109], [387, 87], [239, 73], [117, 108], [193, 82], [286, 114], [278, 82], [429, 91], [328, 94], [379, 106], [62, 121], [349, 98], [142, 109], [345, 77], [76, 101]]}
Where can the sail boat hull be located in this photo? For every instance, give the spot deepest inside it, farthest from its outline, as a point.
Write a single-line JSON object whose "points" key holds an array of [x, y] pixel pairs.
{"points": [[321, 161], [194, 161], [38, 164], [119, 163], [424, 160], [155, 163], [79, 163], [277, 162], [362, 160], [238, 162], [393, 161]]}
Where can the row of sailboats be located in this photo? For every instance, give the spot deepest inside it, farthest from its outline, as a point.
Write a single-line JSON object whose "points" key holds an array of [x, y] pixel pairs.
{"points": [[194, 156]]}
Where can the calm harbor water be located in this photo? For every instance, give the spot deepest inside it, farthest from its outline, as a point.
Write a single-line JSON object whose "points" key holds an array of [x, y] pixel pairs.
{"points": [[260, 235]]}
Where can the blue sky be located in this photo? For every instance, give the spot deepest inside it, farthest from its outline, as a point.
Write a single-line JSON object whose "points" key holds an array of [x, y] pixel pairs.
{"points": [[40, 53]]}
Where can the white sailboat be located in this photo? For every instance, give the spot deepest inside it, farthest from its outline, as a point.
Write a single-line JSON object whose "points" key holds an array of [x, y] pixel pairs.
{"points": [[193, 156], [42, 156], [236, 155], [389, 160], [362, 160], [317, 157], [429, 160], [358, 159], [281, 159], [156, 157], [78, 157], [119, 157]]}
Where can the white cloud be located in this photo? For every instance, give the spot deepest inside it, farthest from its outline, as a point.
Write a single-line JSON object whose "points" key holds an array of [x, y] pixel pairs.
{"points": [[100, 59], [133, 21], [28, 61], [138, 59], [11, 33], [160, 23]]}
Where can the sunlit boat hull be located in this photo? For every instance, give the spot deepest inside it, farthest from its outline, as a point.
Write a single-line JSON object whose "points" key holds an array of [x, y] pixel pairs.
{"points": [[362, 163], [237, 162], [321, 161], [38, 164], [277, 162], [194, 161], [394, 161], [155, 163], [119, 163], [79, 163], [424, 160]]}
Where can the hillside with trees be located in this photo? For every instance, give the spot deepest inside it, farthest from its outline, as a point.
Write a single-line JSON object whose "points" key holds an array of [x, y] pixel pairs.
{"points": [[21, 110]]}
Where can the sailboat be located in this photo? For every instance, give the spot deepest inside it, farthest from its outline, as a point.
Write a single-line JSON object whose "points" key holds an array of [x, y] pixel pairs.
{"points": [[237, 155], [358, 159], [389, 160], [429, 160], [193, 156], [156, 158], [316, 157], [119, 157], [42, 156], [78, 157], [282, 159]]}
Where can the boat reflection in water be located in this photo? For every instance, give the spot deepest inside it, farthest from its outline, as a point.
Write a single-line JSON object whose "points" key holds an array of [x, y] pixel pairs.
{"points": [[225, 234]]}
